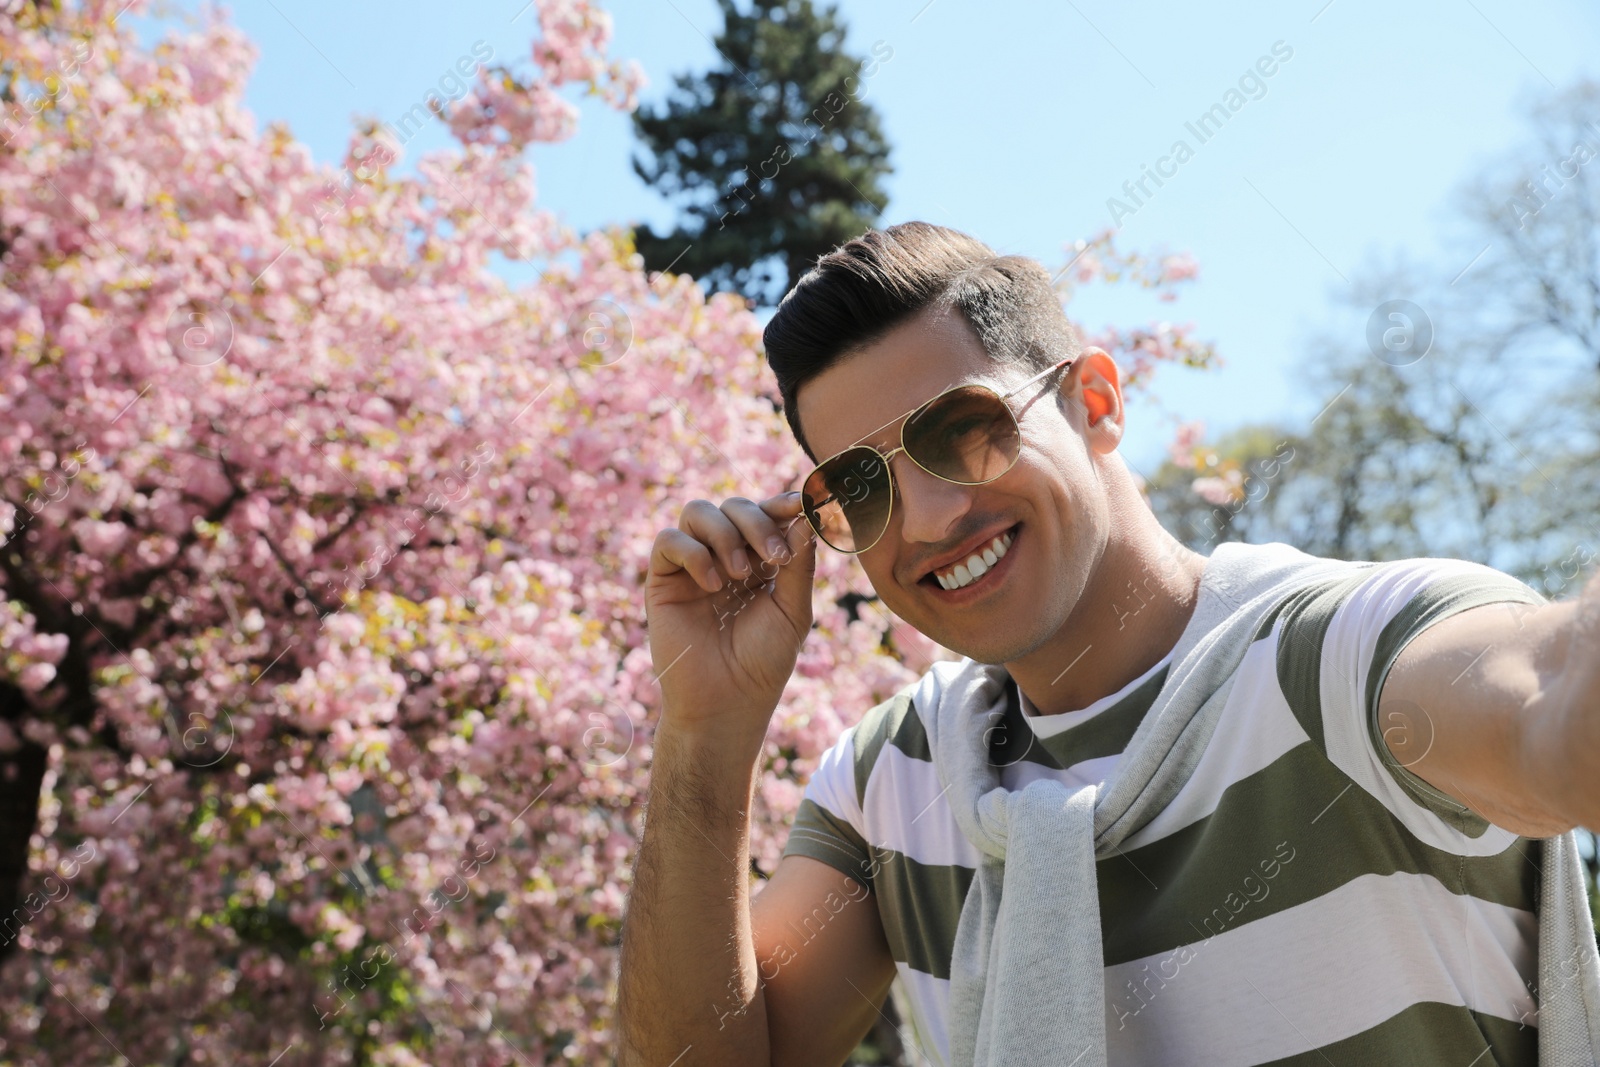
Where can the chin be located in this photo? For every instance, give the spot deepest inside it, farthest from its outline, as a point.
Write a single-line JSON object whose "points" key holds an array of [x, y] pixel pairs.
{"points": [[985, 650]]}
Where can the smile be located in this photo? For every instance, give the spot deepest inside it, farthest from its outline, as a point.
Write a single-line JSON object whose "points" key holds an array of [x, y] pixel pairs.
{"points": [[976, 565]]}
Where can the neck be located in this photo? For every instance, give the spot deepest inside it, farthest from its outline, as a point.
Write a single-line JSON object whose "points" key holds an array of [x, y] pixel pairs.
{"points": [[1139, 597]]}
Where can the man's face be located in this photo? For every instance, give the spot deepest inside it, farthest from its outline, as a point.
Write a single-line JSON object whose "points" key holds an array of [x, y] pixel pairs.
{"points": [[1049, 511]]}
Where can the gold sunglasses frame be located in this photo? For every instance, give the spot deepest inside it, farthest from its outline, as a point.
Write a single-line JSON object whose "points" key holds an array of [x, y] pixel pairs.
{"points": [[1004, 399]]}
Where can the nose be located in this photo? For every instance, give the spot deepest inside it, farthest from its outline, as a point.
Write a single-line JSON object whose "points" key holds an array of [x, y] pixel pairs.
{"points": [[929, 506]]}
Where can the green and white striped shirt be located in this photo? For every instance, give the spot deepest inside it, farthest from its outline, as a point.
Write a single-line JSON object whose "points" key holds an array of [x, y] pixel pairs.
{"points": [[1302, 900]]}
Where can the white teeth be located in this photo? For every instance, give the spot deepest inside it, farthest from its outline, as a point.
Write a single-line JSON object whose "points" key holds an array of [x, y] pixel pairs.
{"points": [[976, 565]]}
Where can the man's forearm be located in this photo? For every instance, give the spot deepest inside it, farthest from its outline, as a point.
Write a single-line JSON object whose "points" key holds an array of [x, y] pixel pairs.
{"points": [[688, 967]]}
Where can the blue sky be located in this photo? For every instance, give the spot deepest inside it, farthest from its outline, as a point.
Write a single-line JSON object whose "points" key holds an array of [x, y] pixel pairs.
{"points": [[1016, 121]]}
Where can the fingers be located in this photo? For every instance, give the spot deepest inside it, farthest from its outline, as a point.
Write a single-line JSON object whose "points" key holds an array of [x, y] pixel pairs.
{"points": [[740, 534], [792, 586], [787, 514], [741, 539], [676, 551], [782, 507]]}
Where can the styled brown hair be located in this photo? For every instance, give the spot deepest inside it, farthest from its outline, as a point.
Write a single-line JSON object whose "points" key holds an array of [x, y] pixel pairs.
{"points": [[866, 287]]}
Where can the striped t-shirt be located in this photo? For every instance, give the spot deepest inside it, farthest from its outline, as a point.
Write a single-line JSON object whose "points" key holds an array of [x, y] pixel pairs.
{"points": [[1302, 900]]}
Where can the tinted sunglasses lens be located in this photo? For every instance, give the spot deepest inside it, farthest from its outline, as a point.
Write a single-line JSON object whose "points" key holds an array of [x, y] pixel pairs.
{"points": [[847, 499], [967, 436]]}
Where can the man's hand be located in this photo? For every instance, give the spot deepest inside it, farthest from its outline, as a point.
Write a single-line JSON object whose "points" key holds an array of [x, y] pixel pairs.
{"points": [[729, 604], [1499, 707]]}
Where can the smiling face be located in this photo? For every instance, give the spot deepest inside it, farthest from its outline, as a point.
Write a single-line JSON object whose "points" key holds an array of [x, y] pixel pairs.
{"points": [[992, 571]]}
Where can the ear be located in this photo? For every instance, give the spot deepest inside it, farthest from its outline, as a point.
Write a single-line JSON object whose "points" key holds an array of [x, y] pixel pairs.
{"points": [[1095, 383]]}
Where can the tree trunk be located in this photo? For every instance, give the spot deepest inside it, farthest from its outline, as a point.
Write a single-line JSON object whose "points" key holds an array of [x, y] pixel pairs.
{"points": [[21, 774]]}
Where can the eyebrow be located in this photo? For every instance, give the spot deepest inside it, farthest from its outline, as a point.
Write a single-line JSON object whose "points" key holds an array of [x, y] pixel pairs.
{"points": [[980, 380], [908, 412]]}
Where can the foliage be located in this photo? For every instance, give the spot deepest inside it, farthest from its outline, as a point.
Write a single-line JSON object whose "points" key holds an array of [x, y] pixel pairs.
{"points": [[319, 607], [774, 155], [1481, 443]]}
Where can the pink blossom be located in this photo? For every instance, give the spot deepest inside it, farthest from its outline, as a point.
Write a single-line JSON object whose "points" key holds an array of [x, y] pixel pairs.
{"points": [[1180, 267], [35, 676], [337, 538], [1218, 490]]}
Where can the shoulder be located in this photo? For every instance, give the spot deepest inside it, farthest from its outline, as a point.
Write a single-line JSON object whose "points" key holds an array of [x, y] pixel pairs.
{"points": [[1336, 641], [1334, 635], [1405, 595], [1379, 606]]}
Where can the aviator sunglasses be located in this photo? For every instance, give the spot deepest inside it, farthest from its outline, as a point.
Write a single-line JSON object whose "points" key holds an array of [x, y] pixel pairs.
{"points": [[968, 435]]}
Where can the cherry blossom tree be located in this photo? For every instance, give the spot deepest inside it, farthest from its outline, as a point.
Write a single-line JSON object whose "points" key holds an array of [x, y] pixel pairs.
{"points": [[324, 705]]}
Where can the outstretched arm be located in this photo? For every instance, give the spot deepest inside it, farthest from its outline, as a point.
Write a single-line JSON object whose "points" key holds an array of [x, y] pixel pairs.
{"points": [[1499, 707]]}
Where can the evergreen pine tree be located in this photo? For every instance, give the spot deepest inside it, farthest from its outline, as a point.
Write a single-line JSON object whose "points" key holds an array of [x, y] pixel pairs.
{"points": [[774, 156]]}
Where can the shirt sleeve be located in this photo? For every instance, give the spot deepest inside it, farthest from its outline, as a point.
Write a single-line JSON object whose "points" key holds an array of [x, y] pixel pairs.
{"points": [[828, 825], [1371, 625]]}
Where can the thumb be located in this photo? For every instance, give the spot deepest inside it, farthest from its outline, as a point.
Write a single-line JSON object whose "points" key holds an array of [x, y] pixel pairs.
{"points": [[791, 589]]}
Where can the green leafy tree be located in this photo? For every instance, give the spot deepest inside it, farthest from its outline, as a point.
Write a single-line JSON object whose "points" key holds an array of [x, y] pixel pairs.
{"points": [[774, 157], [1481, 443]]}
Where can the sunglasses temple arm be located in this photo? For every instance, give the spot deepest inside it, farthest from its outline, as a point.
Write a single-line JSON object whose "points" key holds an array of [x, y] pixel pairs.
{"points": [[1044, 373]]}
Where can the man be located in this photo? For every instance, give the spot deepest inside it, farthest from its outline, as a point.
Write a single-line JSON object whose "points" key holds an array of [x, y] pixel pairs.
{"points": [[1340, 862]]}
